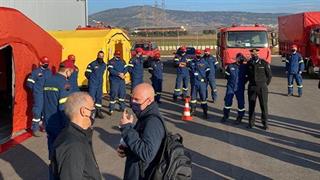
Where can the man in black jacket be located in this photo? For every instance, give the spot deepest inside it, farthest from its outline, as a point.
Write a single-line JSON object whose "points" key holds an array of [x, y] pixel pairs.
{"points": [[259, 76], [73, 157], [141, 142]]}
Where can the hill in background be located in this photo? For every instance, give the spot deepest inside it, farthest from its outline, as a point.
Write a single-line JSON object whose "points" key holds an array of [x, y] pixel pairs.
{"points": [[146, 16]]}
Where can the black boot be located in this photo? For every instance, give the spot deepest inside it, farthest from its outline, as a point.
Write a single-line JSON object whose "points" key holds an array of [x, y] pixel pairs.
{"points": [[238, 121], [175, 98], [193, 111], [183, 97], [99, 114], [251, 122], [205, 113], [224, 119], [265, 125]]}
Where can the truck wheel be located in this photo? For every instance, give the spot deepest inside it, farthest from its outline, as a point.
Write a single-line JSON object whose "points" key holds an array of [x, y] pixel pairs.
{"points": [[310, 70]]}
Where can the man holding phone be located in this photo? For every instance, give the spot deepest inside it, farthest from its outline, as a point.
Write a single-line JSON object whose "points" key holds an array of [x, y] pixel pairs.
{"points": [[141, 142]]}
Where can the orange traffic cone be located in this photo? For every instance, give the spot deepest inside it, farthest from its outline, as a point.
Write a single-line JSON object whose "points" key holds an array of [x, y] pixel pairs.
{"points": [[186, 112]]}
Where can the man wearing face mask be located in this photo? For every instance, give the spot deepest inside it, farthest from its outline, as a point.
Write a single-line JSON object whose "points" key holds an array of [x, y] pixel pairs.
{"points": [[259, 76], [135, 68], [143, 140], [156, 71], [94, 73], [199, 73], [213, 63], [35, 83], [180, 62], [294, 68], [74, 75], [117, 69], [236, 74], [56, 91], [73, 156]]}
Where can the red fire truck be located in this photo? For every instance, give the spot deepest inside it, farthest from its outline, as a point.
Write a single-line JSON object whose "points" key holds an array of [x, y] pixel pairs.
{"points": [[303, 30], [240, 39]]}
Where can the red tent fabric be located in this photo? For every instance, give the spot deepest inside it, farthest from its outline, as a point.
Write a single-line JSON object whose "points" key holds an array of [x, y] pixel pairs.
{"points": [[29, 42]]}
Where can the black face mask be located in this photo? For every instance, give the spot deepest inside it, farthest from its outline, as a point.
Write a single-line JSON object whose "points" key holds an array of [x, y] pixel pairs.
{"points": [[136, 108], [100, 60], [45, 66], [255, 57], [92, 115]]}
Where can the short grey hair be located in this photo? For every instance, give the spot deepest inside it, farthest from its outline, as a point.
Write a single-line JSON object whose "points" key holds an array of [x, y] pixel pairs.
{"points": [[74, 102]]}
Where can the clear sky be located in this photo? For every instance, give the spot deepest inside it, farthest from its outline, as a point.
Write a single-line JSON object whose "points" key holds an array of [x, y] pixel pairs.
{"points": [[273, 6]]}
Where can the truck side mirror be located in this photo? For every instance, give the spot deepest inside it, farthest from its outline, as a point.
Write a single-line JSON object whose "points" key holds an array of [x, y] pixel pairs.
{"points": [[318, 40], [274, 42]]}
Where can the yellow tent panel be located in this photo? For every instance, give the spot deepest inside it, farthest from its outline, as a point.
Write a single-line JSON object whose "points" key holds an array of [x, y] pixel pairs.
{"points": [[85, 44]]}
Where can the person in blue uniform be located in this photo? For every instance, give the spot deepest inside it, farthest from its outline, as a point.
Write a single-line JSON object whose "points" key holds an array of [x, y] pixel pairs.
{"points": [[117, 69], [135, 68], [56, 91], [294, 68], [183, 77], [74, 75], [213, 63], [199, 72], [94, 73], [156, 71], [236, 74], [35, 82]]}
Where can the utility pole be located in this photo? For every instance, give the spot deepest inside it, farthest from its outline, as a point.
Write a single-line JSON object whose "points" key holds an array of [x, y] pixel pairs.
{"points": [[163, 18], [156, 18], [144, 14], [163, 13]]}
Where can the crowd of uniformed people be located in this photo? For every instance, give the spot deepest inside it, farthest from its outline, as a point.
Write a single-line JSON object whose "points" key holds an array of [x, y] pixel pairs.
{"points": [[50, 91]]}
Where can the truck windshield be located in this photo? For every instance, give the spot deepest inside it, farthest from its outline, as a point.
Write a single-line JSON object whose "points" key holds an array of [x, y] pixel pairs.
{"points": [[247, 39], [146, 46]]}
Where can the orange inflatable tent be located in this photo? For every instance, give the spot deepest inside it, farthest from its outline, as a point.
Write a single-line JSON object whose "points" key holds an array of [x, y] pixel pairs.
{"points": [[22, 44]]}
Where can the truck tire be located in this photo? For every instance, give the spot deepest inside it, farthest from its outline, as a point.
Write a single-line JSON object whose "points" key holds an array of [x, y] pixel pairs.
{"points": [[310, 70]]}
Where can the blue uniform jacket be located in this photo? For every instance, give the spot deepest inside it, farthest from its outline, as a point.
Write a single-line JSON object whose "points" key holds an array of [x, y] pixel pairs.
{"points": [[236, 76], [116, 66], [199, 71], [56, 91], [213, 64], [37, 78], [156, 69], [182, 70], [94, 72], [143, 141], [135, 68], [294, 63]]}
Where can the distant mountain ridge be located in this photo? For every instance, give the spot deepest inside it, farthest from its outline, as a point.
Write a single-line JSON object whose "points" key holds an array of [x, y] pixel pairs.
{"points": [[143, 16]]}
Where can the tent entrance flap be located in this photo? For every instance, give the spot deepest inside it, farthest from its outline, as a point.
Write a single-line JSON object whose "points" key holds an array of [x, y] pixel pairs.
{"points": [[6, 93]]}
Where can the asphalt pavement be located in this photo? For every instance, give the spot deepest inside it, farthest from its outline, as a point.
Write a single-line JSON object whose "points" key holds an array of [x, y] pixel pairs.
{"points": [[290, 149]]}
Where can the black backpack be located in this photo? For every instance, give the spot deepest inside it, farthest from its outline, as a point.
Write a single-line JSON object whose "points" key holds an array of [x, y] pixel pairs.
{"points": [[174, 161]]}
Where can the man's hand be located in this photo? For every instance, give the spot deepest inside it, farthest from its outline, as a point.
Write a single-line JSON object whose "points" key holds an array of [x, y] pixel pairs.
{"points": [[126, 119], [182, 64], [121, 75], [121, 151], [300, 72]]}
